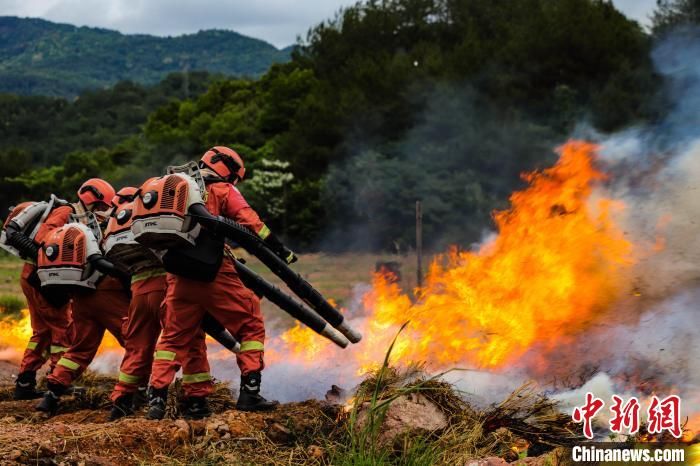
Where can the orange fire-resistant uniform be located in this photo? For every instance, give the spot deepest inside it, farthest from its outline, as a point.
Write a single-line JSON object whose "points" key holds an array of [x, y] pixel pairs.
{"points": [[51, 326], [93, 313], [141, 330], [226, 298]]}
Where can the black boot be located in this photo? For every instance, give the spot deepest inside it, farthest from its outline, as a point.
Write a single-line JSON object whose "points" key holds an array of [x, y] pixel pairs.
{"points": [[140, 398], [25, 387], [249, 399], [122, 407], [49, 404], [157, 399], [196, 407]]}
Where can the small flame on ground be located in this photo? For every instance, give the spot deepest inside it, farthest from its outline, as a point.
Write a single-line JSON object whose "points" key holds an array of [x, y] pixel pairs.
{"points": [[15, 334]]}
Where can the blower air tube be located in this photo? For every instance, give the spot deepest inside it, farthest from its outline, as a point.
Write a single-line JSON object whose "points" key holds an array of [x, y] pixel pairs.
{"points": [[262, 287], [256, 246], [218, 332], [22, 243]]}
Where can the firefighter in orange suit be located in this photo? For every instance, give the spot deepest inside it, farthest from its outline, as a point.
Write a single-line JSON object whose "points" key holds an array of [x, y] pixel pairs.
{"points": [[93, 312], [140, 330], [225, 298], [143, 324], [51, 322]]}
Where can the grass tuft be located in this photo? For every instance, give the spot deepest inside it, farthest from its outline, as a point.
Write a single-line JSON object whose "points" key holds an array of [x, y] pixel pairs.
{"points": [[11, 305]]}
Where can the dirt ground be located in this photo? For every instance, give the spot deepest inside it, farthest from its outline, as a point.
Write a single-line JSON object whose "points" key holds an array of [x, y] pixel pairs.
{"points": [[84, 437]]}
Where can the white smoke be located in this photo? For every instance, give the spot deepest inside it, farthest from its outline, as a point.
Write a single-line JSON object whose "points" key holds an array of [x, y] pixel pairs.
{"points": [[107, 362], [11, 354], [655, 170]]}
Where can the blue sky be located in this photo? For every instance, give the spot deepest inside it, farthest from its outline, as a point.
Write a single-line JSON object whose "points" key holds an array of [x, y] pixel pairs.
{"points": [[276, 21]]}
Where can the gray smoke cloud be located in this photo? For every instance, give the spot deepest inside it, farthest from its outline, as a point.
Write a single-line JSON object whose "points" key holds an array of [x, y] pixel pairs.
{"points": [[655, 171]]}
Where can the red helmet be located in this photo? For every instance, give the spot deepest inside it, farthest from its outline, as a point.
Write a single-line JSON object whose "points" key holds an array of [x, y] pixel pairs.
{"points": [[224, 162], [96, 191], [126, 194]]}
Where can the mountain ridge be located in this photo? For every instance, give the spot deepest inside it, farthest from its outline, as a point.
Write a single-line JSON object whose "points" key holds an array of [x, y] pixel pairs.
{"points": [[59, 59]]}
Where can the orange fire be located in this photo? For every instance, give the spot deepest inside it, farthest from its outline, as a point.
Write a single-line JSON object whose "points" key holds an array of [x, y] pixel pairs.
{"points": [[14, 336], [109, 343], [557, 264]]}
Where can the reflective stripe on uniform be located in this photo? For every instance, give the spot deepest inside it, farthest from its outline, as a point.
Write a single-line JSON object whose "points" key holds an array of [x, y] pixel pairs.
{"points": [[31, 346], [148, 274], [126, 378], [252, 346], [195, 378], [166, 355], [74, 366], [264, 232], [58, 349]]}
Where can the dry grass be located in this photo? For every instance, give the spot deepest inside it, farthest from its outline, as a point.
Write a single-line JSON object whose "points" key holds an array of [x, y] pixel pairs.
{"points": [[525, 423]]}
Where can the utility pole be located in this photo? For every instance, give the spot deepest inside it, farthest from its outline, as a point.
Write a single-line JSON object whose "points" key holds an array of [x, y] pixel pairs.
{"points": [[419, 244], [186, 80]]}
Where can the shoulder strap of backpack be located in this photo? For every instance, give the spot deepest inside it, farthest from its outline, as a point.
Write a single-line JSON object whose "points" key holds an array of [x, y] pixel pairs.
{"points": [[44, 215]]}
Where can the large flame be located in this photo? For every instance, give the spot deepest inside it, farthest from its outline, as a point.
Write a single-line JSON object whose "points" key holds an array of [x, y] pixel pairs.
{"points": [[552, 271]]}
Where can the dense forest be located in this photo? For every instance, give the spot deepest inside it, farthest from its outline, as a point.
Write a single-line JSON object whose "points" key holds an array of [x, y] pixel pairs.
{"points": [[38, 57], [446, 101]]}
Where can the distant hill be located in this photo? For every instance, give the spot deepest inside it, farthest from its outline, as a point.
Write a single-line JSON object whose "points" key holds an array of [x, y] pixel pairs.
{"points": [[38, 57]]}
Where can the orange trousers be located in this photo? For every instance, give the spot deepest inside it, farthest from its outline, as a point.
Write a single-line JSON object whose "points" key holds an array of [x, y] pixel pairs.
{"points": [[141, 330], [51, 328], [93, 313], [226, 298]]}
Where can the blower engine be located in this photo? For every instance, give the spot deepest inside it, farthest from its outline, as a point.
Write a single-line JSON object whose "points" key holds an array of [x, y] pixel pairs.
{"points": [[160, 219], [69, 257], [22, 224], [119, 244]]}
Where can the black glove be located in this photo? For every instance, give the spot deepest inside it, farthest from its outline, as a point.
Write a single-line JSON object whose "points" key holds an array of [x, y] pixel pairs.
{"points": [[280, 249]]}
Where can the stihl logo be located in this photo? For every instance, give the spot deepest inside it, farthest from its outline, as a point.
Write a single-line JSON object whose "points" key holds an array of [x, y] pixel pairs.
{"points": [[151, 224], [54, 274], [122, 238]]}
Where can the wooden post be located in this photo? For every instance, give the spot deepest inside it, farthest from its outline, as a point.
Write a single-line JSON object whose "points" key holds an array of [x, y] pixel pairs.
{"points": [[419, 244]]}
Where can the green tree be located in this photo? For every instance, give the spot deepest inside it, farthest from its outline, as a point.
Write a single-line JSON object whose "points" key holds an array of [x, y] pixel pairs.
{"points": [[267, 189], [671, 14], [388, 102]]}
